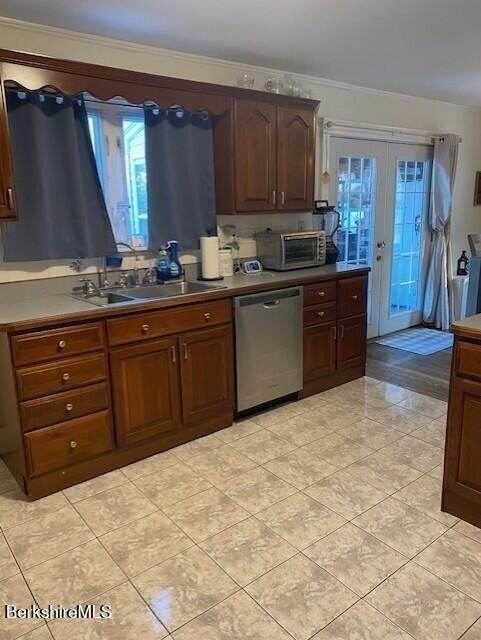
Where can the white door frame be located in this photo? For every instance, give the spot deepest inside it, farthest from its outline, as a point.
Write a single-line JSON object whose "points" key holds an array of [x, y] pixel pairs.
{"points": [[379, 321], [388, 323], [341, 147]]}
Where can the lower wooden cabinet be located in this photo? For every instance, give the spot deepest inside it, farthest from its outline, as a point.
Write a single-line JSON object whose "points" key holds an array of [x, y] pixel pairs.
{"points": [[161, 385], [207, 373], [462, 470], [319, 350], [335, 326], [351, 342], [146, 389]]}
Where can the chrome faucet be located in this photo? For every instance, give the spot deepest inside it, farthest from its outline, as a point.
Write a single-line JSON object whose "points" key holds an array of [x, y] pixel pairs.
{"points": [[135, 270]]}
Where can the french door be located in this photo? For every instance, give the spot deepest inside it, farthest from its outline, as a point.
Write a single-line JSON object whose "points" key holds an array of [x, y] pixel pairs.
{"points": [[382, 193]]}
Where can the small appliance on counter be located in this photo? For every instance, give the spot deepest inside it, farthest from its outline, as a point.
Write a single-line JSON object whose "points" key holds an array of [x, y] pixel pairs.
{"points": [[328, 219], [296, 250]]}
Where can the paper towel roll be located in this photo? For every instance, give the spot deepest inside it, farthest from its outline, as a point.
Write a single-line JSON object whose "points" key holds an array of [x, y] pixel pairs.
{"points": [[209, 255]]}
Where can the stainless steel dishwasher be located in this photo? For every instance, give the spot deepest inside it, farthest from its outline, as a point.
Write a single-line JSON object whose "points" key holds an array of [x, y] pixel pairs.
{"points": [[268, 346]]}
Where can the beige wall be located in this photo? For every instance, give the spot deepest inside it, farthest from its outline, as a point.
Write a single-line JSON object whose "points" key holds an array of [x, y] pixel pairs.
{"points": [[337, 102]]}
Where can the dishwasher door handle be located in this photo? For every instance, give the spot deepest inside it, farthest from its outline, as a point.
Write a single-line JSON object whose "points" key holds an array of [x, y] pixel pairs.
{"points": [[271, 304]]}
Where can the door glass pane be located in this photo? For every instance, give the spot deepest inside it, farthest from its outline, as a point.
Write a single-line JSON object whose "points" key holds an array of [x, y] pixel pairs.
{"points": [[356, 197], [409, 222]]}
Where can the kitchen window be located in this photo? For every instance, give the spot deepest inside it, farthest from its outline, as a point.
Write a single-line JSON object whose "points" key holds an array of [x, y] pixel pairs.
{"points": [[118, 141]]}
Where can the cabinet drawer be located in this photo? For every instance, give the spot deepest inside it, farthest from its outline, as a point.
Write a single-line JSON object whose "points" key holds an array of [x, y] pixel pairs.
{"points": [[467, 360], [45, 379], [38, 346], [67, 443], [321, 292], [143, 326], [352, 297], [319, 313], [64, 406]]}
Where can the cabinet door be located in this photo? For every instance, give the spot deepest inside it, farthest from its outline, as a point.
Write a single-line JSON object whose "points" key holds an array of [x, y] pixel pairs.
{"points": [[255, 156], [8, 209], [295, 158], [319, 350], [146, 390], [207, 367], [351, 343], [463, 442]]}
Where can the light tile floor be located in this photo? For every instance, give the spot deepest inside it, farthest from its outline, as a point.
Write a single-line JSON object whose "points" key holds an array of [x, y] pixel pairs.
{"points": [[316, 520]]}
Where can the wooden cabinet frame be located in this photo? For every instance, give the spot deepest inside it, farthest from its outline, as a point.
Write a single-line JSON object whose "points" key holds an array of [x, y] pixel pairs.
{"points": [[71, 78]]}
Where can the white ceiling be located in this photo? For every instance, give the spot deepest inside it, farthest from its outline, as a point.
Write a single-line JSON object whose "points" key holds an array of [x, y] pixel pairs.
{"points": [[428, 48]]}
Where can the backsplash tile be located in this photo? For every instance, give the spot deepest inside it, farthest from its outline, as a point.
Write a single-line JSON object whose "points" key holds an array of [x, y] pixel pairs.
{"points": [[246, 226]]}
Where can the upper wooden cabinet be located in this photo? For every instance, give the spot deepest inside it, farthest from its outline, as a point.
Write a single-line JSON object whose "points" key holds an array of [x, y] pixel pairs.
{"points": [[255, 159], [265, 157], [8, 206], [295, 158], [264, 143]]}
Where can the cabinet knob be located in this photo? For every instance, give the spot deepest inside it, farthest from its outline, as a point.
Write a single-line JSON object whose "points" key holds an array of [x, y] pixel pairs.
{"points": [[207, 316], [69, 406], [62, 344], [65, 377], [145, 328], [354, 297], [321, 294], [321, 314], [73, 444]]}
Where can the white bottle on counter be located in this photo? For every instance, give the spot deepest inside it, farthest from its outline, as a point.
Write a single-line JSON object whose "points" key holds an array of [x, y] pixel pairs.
{"points": [[226, 262]]}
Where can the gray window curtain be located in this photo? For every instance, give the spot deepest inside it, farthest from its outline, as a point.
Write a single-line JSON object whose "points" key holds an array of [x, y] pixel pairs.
{"points": [[62, 212], [179, 156], [437, 298]]}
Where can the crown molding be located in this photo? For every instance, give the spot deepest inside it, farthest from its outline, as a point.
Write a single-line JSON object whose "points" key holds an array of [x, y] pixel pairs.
{"points": [[235, 67]]}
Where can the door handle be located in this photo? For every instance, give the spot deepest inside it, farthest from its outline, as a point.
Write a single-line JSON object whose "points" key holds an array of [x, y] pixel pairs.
{"points": [[381, 245], [173, 354], [186, 351], [283, 197], [272, 303], [334, 333], [10, 201], [274, 198]]}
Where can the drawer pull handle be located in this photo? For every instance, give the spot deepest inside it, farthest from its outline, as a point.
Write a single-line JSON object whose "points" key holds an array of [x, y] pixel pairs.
{"points": [[62, 344], [73, 444], [65, 377], [69, 406], [321, 314], [10, 199], [145, 328], [321, 294], [207, 316], [354, 297]]}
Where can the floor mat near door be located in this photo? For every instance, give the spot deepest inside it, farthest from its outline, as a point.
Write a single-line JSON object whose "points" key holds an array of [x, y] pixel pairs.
{"points": [[419, 340]]}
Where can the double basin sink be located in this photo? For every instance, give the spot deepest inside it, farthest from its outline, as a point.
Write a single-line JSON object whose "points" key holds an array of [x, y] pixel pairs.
{"points": [[149, 292]]}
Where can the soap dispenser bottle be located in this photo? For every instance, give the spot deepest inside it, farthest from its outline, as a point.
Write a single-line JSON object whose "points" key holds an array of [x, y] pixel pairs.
{"points": [[175, 268], [163, 265]]}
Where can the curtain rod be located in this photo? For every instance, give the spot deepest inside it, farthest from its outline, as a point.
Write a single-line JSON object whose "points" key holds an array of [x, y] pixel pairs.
{"points": [[329, 124], [176, 108]]}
